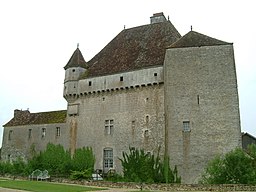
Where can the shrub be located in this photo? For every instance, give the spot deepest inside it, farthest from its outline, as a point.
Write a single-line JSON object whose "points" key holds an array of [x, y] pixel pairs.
{"points": [[236, 167], [139, 166], [83, 159], [79, 175]]}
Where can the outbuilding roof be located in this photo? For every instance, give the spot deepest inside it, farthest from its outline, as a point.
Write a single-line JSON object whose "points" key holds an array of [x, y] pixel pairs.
{"points": [[134, 48], [27, 118], [195, 39]]}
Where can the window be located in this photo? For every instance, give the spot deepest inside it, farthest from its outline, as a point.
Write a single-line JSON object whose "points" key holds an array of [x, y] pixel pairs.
{"points": [[90, 83], [121, 78], [186, 126], [109, 125], [108, 159], [10, 135], [133, 124], [147, 119], [146, 133], [155, 74], [43, 132], [57, 131], [9, 158], [29, 133]]}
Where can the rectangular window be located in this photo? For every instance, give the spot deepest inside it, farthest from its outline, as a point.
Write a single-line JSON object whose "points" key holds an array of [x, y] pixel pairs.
{"points": [[90, 83], [121, 78], [109, 126], [57, 131], [108, 158], [9, 158], [43, 132], [10, 135], [29, 133], [186, 126], [155, 74]]}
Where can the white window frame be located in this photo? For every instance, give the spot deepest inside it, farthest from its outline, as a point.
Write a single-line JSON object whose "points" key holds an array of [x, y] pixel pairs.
{"points": [[43, 132], [186, 126], [57, 131], [109, 126], [108, 159]]}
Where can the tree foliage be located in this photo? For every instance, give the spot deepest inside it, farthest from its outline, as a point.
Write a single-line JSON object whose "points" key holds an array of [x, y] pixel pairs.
{"points": [[236, 167], [55, 159], [139, 166], [83, 159]]}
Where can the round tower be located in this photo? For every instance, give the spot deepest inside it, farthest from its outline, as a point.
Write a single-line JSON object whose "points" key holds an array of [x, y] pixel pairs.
{"points": [[75, 67]]}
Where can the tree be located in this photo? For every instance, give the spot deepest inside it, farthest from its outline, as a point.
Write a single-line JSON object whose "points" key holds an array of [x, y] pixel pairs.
{"points": [[236, 167], [55, 159], [83, 159]]}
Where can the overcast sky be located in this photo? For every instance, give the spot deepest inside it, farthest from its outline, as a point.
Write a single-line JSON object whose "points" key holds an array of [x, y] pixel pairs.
{"points": [[37, 38]]}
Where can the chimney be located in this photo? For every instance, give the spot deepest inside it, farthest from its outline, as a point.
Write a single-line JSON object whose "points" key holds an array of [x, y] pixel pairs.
{"points": [[20, 113], [157, 18]]}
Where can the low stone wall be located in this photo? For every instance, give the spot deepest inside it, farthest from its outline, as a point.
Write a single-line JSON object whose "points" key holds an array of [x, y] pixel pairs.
{"points": [[174, 187], [164, 187]]}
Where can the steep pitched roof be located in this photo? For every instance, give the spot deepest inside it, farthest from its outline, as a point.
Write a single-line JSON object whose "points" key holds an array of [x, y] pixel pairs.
{"points": [[134, 48], [27, 118], [195, 39], [76, 60]]}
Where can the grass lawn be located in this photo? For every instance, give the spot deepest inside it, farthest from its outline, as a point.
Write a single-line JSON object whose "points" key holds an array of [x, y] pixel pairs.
{"points": [[42, 186]]}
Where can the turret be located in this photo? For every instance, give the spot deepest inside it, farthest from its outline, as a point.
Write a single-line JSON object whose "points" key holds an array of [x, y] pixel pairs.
{"points": [[75, 67]]}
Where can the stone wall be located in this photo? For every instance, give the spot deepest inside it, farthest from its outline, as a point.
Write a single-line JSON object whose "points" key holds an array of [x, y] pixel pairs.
{"points": [[162, 186], [138, 121], [17, 140], [174, 187], [201, 106]]}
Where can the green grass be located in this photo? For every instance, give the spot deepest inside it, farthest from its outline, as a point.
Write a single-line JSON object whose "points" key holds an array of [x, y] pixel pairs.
{"points": [[42, 186]]}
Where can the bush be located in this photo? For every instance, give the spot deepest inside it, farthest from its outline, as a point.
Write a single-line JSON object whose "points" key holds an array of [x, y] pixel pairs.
{"points": [[56, 160], [83, 159], [139, 166], [236, 167], [79, 175], [5, 168]]}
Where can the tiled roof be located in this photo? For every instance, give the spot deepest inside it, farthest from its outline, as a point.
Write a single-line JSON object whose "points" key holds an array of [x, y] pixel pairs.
{"points": [[195, 39], [27, 118], [76, 60], [134, 48]]}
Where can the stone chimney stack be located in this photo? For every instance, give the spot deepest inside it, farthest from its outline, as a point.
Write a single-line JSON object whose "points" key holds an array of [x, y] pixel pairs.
{"points": [[21, 113], [157, 18]]}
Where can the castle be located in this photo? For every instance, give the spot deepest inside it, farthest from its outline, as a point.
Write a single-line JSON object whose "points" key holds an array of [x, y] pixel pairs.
{"points": [[149, 87]]}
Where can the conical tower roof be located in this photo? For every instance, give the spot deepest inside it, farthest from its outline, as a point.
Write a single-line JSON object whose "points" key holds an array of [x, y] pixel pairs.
{"points": [[195, 39], [76, 60]]}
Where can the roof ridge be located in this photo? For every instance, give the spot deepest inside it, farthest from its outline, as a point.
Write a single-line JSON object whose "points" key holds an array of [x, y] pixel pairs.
{"points": [[134, 48], [49, 111], [196, 39]]}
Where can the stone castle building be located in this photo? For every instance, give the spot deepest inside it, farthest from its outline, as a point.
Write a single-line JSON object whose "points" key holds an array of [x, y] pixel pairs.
{"points": [[149, 87]]}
